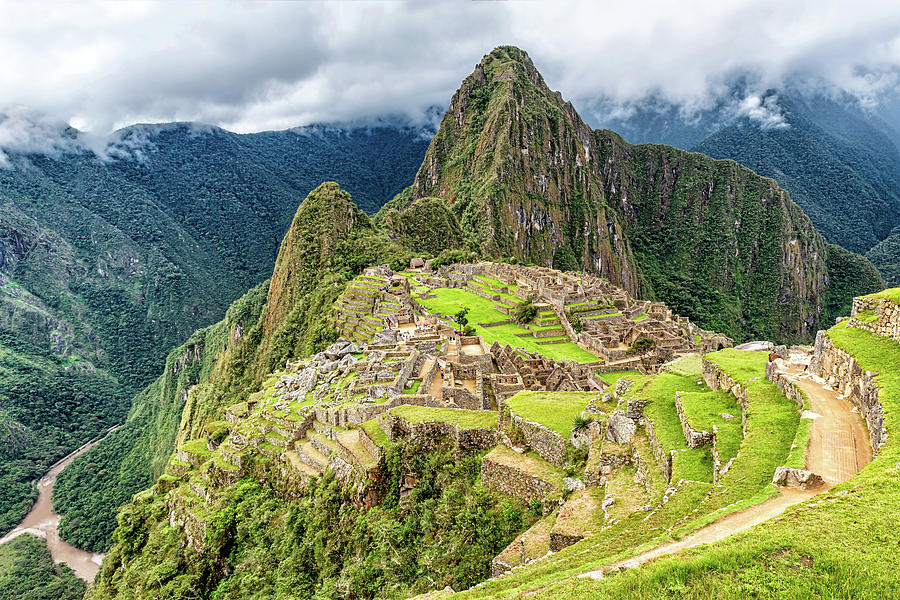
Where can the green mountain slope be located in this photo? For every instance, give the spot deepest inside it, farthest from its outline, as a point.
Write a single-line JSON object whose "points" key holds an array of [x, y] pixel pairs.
{"points": [[329, 241], [105, 266], [836, 157], [526, 178]]}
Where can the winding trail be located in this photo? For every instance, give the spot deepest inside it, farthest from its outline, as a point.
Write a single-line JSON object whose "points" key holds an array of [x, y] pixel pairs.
{"points": [[43, 522], [838, 449]]}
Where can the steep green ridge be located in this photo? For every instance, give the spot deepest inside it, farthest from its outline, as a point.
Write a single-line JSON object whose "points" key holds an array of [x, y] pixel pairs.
{"points": [[886, 256], [27, 572], [88, 492], [327, 244], [843, 172], [526, 178], [105, 266], [321, 545], [835, 156]]}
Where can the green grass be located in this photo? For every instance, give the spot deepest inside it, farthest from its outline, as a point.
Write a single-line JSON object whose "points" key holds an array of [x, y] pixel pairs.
{"points": [[703, 409], [449, 301], [528, 462], [695, 464], [640, 317], [464, 419], [891, 294], [376, 434], [840, 545], [690, 365], [414, 388], [612, 378], [197, 446], [741, 365], [554, 410], [867, 316]]}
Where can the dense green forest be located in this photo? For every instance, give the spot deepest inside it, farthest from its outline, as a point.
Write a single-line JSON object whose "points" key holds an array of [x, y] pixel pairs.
{"points": [[48, 407], [836, 157], [325, 545], [845, 175], [27, 572], [105, 266]]}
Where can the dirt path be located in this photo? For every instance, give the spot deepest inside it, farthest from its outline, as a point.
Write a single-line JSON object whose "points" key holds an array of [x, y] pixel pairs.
{"points": [[838, 441], [838, 449], [42, 521]]}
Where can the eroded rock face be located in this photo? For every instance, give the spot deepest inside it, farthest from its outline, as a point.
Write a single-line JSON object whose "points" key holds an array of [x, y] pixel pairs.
{"points": [[800, 479], [619, 428]]}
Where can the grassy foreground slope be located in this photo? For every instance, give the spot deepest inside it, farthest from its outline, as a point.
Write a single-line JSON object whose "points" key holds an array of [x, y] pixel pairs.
{"points": [[843, 544], [771, 426]]}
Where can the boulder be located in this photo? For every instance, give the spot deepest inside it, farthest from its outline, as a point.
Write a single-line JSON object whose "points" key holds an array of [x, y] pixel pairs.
{"points": [[619, 428], [757, 346], [338, 350], [307, 380], [800, 479], [622, 387]]}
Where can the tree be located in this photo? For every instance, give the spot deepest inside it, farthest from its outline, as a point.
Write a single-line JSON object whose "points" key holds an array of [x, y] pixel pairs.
{"points": [[642, 347], [526, 311], [461, 317]]}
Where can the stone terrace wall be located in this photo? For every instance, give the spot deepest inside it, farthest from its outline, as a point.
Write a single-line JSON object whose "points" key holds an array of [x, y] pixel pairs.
{"points": [[888, 322], [369, 444], [717, 379], [548, 444], [843, 373], [662, 457], [787, 387], [514, 482], [464, 440], [694, 438]]}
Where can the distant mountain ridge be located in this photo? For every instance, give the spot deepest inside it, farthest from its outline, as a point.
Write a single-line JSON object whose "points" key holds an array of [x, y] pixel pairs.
{"points": [[525, 177], [107, 264], [838, 159]]}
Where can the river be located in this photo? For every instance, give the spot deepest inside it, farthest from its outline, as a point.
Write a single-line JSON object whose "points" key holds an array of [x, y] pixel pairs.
{"points": [[42, 521]]}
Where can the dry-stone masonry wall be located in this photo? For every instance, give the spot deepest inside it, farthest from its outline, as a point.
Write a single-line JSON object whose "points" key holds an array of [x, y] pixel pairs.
{"points": [[843, 373]]}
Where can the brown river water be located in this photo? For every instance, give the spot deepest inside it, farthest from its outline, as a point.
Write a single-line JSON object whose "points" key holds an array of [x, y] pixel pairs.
{"points": [[42, 521]]}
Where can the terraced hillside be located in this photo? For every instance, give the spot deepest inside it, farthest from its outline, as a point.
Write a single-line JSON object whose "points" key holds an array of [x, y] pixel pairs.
{"points": [[416, 453], [594, 476]]}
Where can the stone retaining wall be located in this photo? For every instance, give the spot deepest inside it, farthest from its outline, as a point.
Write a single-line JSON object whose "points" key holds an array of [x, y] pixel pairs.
{"points": [[787, 387], [369, 444], [887, 323], [548, 444], [662, 457], [717, 379], [843, 373], [514, 482], [464, 440], [694, 438]]}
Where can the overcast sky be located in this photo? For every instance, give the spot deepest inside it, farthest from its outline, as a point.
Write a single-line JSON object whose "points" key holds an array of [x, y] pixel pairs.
{"points": [[256, 66]]}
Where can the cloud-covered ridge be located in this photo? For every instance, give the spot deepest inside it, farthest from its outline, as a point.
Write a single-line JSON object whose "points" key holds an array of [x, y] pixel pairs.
{"points": [[258, 66]]}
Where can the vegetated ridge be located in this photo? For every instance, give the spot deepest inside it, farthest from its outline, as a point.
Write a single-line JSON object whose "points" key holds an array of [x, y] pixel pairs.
{"points": [[106, 265], [524, 177]]}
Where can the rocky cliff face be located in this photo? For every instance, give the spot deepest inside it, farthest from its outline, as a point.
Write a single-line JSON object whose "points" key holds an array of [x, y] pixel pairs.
{"points": [[517, 163], [526, 178]]}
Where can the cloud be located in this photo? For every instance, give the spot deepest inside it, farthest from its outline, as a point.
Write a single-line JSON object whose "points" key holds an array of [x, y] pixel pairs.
{"points": [[25, 130], [255, 66], [764, 111]]}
